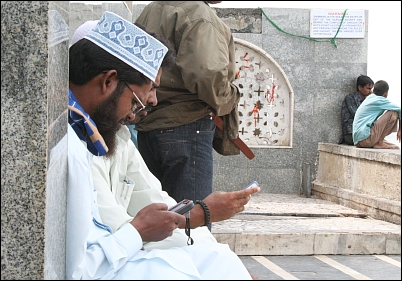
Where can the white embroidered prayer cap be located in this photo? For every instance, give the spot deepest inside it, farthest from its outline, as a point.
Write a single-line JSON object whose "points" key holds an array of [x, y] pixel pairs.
{"points": [[129, 43], [83, 30]]}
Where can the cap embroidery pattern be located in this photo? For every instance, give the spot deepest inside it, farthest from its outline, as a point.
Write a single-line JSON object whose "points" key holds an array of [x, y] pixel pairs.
{"points": [[129, 43]]}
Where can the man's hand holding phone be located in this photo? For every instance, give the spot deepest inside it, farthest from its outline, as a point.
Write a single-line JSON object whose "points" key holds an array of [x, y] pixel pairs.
{"points": [[153, 223], [224, 205], [253, 184], [182, 207]]}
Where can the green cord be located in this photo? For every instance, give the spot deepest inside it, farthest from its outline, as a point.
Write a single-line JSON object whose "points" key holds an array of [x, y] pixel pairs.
{"points": [[305, 37]]}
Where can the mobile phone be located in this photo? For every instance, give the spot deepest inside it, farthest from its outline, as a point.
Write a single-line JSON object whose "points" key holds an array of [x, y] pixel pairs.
{"points": [[182, 207], [254, 183]]}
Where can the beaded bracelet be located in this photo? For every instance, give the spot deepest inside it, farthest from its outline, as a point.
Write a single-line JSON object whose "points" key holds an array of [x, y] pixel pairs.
{"points": [[206, 211]]}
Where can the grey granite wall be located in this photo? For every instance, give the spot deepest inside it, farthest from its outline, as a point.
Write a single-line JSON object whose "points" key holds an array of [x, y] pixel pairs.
{"points": [[34, 84], [321, 75], [34, 80]]}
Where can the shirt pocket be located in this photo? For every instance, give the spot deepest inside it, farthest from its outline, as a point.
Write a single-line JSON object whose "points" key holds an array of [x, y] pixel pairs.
{"points": [[123, 192]]}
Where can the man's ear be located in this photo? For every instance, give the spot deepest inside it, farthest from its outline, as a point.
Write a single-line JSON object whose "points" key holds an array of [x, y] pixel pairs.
{"points": [[109, 82]]}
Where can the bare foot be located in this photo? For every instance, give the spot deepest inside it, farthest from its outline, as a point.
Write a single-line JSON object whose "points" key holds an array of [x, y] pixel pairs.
{"points": [[385, 146], [392, 144]]}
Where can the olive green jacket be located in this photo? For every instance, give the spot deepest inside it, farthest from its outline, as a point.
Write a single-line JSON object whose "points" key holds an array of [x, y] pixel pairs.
{"points": [[200, 82]]}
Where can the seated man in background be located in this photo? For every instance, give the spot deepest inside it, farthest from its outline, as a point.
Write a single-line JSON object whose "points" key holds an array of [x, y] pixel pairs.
{"points": [[111, 74], [376, 118], [125, 185], [352, 101]]}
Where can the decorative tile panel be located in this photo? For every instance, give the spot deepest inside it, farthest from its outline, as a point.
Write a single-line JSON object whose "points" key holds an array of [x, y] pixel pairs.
{"points": [[266, 103]]}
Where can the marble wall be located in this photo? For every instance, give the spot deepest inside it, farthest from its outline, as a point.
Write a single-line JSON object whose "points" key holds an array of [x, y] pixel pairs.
{"points": [[320, 74]]}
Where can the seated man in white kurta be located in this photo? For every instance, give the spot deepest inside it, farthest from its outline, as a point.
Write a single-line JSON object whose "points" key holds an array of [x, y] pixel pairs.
{"points": [[104, 68]]}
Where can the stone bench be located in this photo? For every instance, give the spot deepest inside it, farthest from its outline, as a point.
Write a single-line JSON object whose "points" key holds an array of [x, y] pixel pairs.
{"points": [[364, 179]]}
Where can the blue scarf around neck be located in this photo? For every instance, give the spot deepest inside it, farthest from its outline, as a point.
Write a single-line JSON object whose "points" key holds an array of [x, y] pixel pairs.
{"points": [[83, 125]]}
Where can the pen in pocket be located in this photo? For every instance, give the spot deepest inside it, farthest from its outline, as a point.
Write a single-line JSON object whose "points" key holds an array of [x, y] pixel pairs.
{"points": [[125, 186]]}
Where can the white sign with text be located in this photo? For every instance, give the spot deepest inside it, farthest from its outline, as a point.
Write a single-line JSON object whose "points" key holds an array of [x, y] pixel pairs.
{"points": [[325, 23]]}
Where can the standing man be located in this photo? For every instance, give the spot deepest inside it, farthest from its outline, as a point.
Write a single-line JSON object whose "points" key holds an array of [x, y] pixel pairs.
{"points": [[364, 86], [176, 137], [111, 75], [376, 118]]}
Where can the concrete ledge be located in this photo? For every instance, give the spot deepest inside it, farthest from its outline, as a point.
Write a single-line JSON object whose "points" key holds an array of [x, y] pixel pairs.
{"points": [[368, 180], [390, 156], [378, 208]]}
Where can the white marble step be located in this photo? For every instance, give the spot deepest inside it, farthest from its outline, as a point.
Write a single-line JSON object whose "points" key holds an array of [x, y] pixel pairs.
{"points": [[281, 224]]}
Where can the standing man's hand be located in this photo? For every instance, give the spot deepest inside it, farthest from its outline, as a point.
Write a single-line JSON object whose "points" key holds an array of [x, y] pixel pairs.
{"points": [[222, 205]]}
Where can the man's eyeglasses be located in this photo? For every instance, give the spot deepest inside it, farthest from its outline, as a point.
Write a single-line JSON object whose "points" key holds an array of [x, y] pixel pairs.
{"points": [[137, 109]]}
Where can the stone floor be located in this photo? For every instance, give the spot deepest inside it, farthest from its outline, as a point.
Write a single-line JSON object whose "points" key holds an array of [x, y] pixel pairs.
{"points": [[283, 224]]}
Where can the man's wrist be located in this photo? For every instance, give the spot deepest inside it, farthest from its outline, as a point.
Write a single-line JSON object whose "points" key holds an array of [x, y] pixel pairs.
{"points": [[207, 215], [197, 216]]}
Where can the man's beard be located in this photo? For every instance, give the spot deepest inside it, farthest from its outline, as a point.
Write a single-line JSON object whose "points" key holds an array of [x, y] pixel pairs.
{"points": [[106, 120]]}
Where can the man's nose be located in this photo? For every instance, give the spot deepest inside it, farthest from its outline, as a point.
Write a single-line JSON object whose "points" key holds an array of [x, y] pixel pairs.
{"points": [[130, 116], [152, 99]]}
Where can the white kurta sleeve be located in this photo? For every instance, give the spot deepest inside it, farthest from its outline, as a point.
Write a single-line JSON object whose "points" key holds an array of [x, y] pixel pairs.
{"points": [[92, 251]]}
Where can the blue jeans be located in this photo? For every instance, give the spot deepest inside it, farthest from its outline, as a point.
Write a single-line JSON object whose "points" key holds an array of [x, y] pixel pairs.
{"points": [[181, 158]]}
